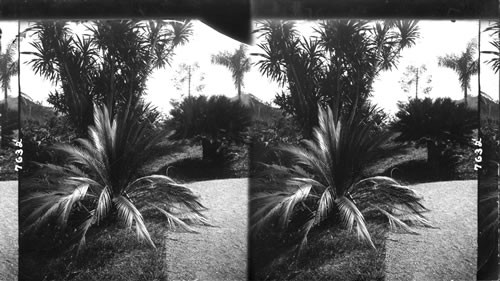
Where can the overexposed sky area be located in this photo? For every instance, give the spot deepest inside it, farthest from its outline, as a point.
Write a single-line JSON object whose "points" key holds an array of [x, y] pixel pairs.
{"points": [[437, 38]]}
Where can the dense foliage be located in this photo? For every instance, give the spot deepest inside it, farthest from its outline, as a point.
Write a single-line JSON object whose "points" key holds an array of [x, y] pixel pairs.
{"points": [[39, 138], [439, 124], [216, 121], [107, 67], [336, 66], [9, 128], [9, 67], [488, 191], [321, 181]]}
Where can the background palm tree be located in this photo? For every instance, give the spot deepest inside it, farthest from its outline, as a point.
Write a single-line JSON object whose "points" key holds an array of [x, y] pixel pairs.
{"points": [[9, 66], [464, 65], [237, 62]]}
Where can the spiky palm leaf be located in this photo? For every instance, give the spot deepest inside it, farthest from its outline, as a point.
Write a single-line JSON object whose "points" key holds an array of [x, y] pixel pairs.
{"points": [[324, 181], [495, 60], [100, 177]]}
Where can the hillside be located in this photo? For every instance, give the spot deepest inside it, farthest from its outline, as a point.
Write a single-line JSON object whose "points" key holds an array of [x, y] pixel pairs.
{"points": [[12, 102], [33, 111], [488, 107]]}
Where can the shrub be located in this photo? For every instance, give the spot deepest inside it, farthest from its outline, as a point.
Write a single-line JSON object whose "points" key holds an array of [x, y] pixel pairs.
{"points": [[216, 121], [440, 125], [322, 182], [9, 130], [98, 182], [38, 139]]}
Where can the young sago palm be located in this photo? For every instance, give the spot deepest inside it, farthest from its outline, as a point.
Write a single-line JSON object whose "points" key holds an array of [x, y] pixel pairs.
{"points": [[322, 181], [99, 180]]}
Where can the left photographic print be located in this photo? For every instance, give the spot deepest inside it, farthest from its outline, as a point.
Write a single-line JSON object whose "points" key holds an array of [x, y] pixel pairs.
{"points": [[10, 152], [135, 138]]}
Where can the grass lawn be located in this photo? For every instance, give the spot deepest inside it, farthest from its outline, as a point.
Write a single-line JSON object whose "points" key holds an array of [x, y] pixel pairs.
{"points": [[332, 254], [185, 163], [112, 254]]}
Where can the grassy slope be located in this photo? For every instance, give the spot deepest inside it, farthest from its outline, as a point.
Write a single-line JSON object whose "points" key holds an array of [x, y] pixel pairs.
{"points": [[333, 255], [110, 254], [185, 164]]}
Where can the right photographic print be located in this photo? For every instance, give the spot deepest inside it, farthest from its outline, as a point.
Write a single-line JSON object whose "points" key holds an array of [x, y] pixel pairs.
{"points": [[364, 162], [487, 156]]}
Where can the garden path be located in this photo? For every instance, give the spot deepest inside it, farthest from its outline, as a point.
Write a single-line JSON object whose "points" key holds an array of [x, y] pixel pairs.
{"points": [[447, 252], [8, 230], [215, 253]]}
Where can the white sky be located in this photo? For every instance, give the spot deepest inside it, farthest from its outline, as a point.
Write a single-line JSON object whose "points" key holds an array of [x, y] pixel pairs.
{"points": [[437, 39]]}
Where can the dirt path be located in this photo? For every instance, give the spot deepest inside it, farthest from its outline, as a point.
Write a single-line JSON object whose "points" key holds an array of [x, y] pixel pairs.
{"points": [[8, 231], [216, 253], [447, 253]]}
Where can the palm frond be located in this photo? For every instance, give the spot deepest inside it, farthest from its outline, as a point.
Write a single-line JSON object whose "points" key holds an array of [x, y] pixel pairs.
{"points": [[129, 214], [353, 219], [44, 206], [173, 221]]}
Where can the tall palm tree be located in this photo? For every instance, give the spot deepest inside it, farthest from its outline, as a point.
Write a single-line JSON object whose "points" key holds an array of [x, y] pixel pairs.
{"points": [[238, 63], [9, 66], [465, 65]]}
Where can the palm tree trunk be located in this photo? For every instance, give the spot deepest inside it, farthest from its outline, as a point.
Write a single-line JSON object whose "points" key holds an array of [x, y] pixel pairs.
{"points": [[433, 154], [239, 92], [465, 96], [416, 86], [209, 148], [5, 118]]}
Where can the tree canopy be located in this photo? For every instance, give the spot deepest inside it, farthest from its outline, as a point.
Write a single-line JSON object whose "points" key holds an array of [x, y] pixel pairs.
{"points": [[109, 63], [335, 66], [237, 62], [465, 65]]}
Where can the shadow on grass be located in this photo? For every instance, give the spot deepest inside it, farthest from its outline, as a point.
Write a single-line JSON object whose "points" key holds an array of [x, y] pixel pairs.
{"points": [[197, 169], [112, 254], [331, 254], [419, 171], [415, 171]]}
